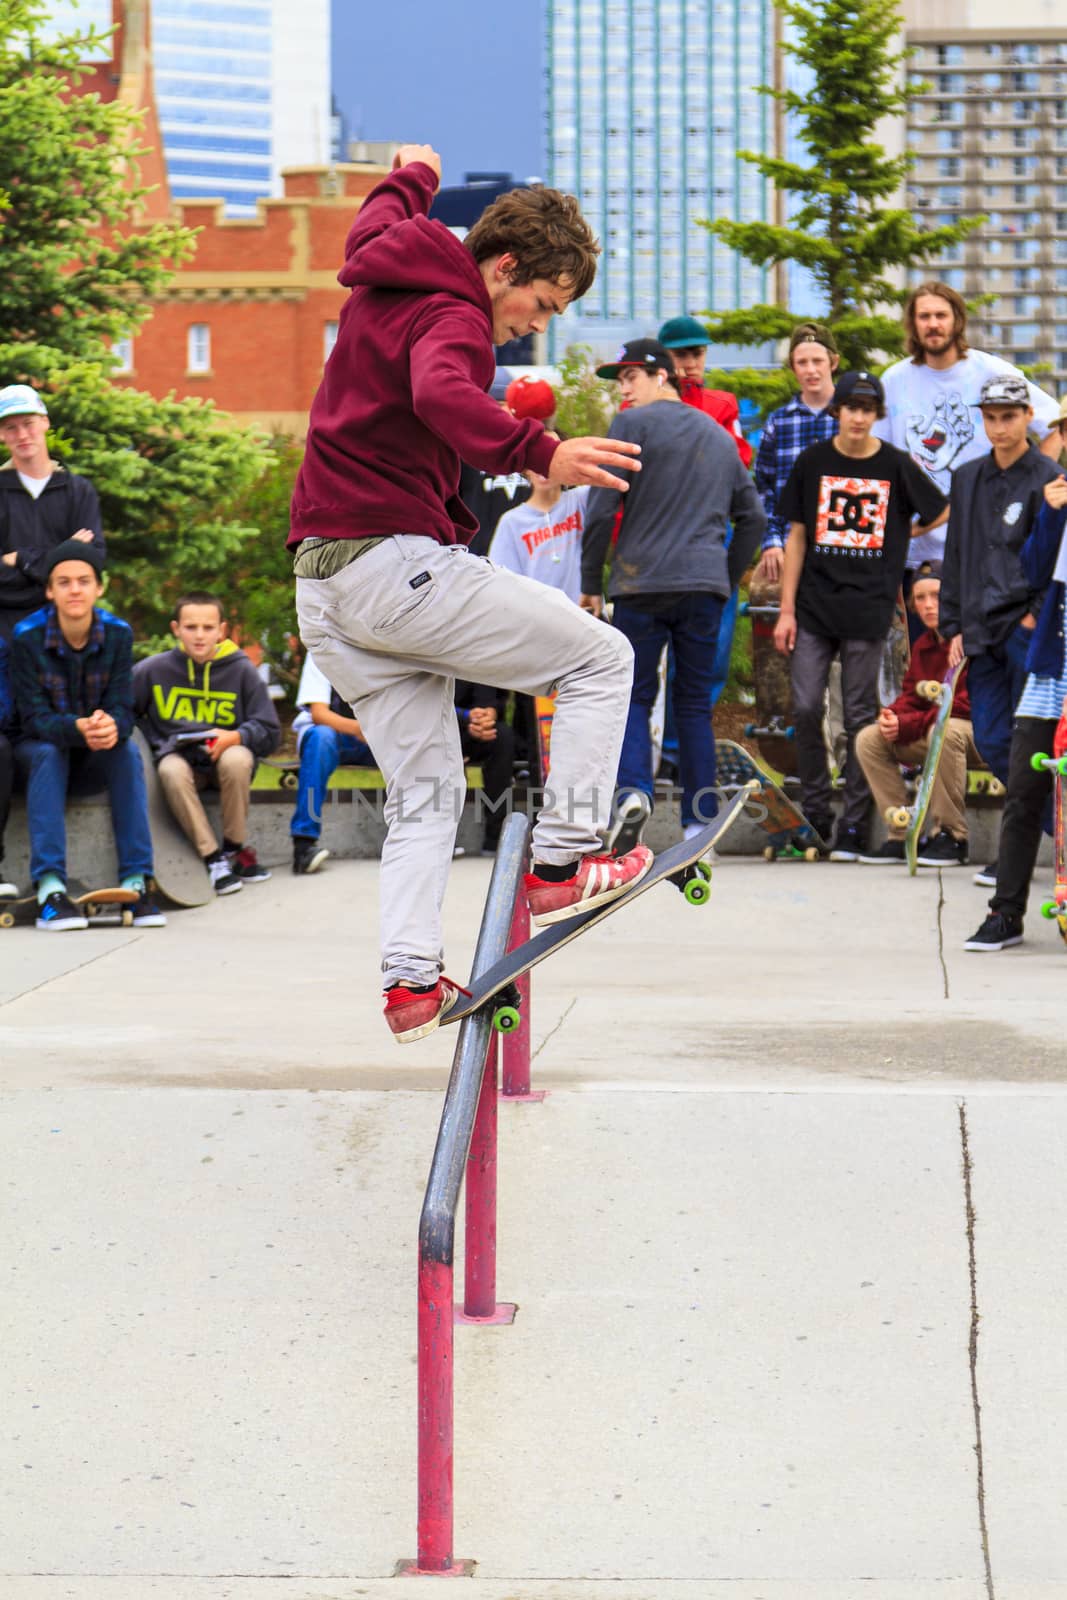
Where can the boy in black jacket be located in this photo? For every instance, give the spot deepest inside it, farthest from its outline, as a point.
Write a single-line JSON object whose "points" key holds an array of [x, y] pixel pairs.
{"points": [[207, 715]]}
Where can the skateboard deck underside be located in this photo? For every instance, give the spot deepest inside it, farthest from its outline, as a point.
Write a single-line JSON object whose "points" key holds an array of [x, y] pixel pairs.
{"points": [[665, 866], [784, 823], [928, 777], [179, 872]]}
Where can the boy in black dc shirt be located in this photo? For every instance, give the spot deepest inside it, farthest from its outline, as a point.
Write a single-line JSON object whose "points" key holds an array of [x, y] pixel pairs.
{"points": [[850, 503]]}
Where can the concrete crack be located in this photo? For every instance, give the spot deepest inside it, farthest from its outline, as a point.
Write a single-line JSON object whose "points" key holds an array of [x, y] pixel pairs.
{"points": [[554, 1030], [941, 931], [972, 1347]]}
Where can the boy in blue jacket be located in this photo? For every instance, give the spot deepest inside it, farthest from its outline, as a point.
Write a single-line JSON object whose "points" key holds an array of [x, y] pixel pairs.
{"points": [[71, 672], [1044, 562]]}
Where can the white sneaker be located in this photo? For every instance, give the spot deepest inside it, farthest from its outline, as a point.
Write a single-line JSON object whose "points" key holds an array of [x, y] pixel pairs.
{"points": [[9, 891], [222, 879]]}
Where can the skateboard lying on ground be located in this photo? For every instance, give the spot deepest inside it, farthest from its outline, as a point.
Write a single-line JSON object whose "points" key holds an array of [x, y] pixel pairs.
{"points": [[105, 908], [914, 816], [790, 835], [1057, 906], [773, 726], [682, 861], [179, 870]]}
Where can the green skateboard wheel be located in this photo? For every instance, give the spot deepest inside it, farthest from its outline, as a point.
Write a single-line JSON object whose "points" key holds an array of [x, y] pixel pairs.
{"points": [[1037, 761], [1049, 909], [698, 891], [1061, 766], [506, 1019]]}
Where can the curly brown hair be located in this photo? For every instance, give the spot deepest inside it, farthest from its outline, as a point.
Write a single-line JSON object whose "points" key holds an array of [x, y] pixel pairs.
{"points": [[944, 291], [546, 233]]}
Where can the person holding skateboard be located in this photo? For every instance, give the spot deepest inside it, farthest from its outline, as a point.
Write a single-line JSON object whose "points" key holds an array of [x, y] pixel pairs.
{"points": [[207, 716], [390, 601], [671, 571], [71, 668], [1038, 726], [989, 607], [850, 503], [902, 735]]}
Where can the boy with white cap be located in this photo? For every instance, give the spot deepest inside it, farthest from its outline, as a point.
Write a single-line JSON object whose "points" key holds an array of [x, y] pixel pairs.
{"points": [[41, 504]]}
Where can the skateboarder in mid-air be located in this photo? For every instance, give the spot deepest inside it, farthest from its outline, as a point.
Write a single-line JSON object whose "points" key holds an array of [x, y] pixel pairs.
{"points": [[390, 601]]}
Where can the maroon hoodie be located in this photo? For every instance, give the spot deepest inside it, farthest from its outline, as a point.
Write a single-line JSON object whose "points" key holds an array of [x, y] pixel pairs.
{"points": [[404, 394]]}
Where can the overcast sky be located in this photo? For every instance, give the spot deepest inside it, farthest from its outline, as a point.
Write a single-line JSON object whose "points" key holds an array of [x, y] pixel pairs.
{"points": [[465, 77]]}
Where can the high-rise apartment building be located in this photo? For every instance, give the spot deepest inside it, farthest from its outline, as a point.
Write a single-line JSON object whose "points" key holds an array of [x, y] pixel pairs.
{"points": [[989, 137], [647, 104], [242, 89]]}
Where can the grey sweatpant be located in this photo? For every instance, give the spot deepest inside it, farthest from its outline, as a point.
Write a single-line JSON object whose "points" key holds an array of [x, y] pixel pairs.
{"points": [[392, 631]]}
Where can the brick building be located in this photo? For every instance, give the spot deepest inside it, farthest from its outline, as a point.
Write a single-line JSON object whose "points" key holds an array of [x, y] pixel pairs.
{"points": [[249, 321]]}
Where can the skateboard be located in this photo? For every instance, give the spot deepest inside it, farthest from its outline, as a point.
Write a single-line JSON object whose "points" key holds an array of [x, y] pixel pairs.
{"points": [[1057, 906], [179, 872], [105, 908], [682, 864], [773, 727], [791, 836], [914, 816], [896, 654]]}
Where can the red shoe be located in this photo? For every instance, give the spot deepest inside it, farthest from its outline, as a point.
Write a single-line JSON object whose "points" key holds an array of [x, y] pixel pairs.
{"points": [[412, 1015], [599, 879]]}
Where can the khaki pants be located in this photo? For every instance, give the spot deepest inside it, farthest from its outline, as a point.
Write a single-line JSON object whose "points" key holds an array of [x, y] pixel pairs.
{"points": [[881, 767], [231, 775]]}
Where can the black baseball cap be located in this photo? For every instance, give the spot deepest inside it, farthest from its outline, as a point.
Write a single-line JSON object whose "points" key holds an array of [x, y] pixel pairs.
{"points": [[858, 386], [648, 354]]}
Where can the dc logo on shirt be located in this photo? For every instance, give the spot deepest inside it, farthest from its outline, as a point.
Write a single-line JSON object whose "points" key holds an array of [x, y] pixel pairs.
{"points": [[852, 513], [1013, 513]]}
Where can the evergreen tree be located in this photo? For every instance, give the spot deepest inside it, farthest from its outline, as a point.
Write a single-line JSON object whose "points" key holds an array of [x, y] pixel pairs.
{"points": [[76, 265], [843, 227], [78, 270]]}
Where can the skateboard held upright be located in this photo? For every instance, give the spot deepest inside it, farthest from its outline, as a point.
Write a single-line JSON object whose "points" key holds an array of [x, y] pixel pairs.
{"points": [[913, 817], [790, 836], [1057, 906]]}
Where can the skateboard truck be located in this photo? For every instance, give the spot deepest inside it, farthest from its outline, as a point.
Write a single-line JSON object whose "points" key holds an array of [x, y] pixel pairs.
{"points": [[506, 1007], [694, 883]]}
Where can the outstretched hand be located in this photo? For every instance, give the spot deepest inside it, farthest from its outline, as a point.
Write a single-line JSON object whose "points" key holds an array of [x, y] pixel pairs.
{"points": [[1056, 492], [585, 461]]}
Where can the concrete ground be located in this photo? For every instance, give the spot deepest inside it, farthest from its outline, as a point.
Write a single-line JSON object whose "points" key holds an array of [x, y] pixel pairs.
{"points": [[786, 1238]]}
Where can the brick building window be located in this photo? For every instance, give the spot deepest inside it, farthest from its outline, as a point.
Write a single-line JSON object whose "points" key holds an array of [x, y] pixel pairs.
{"points": [[329, 339], [122, 350], [198, 347]]}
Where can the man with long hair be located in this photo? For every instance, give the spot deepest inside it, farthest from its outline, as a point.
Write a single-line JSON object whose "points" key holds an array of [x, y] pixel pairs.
{"points": [[932, 397], [391, 603]]}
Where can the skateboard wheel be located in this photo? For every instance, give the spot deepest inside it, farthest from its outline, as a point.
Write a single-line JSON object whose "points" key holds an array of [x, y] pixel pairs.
{"points": [[697, 891], [506, 1019], [127, 918], [811, 854], [1061, 766], [1037, 761], [750, 728], [1049, 909], [289, 780], [770, 853], [898, 816], [7, 919], [704, 870], [790, 732], [995, 787]]}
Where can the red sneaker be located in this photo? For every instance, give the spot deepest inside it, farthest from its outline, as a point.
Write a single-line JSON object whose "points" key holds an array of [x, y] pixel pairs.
{"points": [[412, 1015], [599, 878]]}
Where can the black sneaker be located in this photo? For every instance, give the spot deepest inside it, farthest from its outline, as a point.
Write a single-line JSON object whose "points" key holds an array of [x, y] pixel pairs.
{"points": [[146, 912], [888, 854], [59, 914], [849, 845], [943, 851], [245, 866], [308, 854], [998, 931], [824, 827], [631, 815], [986, 877]]}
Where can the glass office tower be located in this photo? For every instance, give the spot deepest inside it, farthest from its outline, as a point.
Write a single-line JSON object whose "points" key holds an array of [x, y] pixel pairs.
{"points": [[647, 104]]}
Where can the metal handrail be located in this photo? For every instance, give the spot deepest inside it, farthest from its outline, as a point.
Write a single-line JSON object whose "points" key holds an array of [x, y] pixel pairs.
{"points": [[437, 1224]]}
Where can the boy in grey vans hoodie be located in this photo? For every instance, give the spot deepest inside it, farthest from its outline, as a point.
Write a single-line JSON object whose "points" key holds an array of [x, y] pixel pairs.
{"points": [[207, 715]]}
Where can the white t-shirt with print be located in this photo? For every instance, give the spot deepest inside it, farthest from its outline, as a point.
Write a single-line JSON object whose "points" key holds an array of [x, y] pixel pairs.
{"points": [[933, 414], [546, 545]]}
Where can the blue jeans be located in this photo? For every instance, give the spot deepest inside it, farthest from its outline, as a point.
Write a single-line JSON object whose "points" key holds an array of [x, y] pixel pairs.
{"points": [[322, 750], [690, 624], [995, 682], [52, 773]]}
